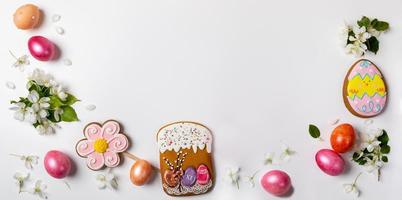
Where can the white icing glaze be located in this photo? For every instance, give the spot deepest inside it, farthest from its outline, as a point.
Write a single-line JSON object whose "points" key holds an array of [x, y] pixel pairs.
{"points": [[184, 135], [183, 190]]}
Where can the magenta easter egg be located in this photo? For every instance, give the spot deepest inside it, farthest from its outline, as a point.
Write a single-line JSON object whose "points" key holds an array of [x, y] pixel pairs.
{"points": [[276, 182], [330, 162], [41, 48], [57, 164]]}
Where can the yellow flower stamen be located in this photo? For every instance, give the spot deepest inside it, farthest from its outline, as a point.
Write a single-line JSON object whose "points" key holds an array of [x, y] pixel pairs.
{"points": [[101, 145]]}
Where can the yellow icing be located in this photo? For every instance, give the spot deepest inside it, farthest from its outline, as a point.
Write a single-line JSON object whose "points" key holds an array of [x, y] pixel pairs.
{"points": [[358, 86], [100, 145]]}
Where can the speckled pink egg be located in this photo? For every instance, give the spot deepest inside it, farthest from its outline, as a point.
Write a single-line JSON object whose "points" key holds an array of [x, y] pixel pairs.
{"points": [[330, 162], [57, 164], [276, 182]]}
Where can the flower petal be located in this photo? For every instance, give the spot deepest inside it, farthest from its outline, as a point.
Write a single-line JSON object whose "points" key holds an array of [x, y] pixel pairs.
{"points": [[111, 159], [93, 131], [85, 147], [95, 161], [118, 143], [109, 129]]}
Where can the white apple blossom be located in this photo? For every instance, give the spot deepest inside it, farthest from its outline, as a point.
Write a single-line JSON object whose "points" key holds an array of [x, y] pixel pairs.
{"points": [[107, 180], [374, 165], [59, 91], [370, 141], [39, 189], [29, 160], [232, 175], [360, 34], [251, 179], [46, 127], [20, 62], [352, 187], [39, 106], [269, 158], [287, 152], [41, 78], [20, 111], [56, 114], [344, 34], [20, 179], [355, 49]]}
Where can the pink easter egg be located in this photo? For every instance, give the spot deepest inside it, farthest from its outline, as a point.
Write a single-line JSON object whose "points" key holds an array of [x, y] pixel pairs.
{"points": [[276, 182], [57, 164], [203, 176], [330, 162], [41, 48]]}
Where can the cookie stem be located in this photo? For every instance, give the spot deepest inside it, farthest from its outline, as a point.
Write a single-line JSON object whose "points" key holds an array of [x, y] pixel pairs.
{"points": [[134, 157]]}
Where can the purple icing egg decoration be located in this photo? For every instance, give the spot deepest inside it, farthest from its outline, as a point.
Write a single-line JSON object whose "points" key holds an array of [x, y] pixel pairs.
{"points": [[190, 177]]}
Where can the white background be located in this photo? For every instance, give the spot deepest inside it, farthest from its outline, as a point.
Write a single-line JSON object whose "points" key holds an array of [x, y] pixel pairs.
{"points": [[256, 72]]}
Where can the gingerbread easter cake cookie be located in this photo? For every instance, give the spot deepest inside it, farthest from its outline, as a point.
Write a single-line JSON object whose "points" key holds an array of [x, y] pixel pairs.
{"points": [[185, 150], [364, 89]]}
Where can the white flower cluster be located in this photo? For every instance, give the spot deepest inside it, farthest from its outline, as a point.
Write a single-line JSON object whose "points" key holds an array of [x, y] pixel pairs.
{"points": [[355, 44], [107, 180], [374, 150], [351, 188], [372, 144], [363, 36], [37, 189], [37, 108]]}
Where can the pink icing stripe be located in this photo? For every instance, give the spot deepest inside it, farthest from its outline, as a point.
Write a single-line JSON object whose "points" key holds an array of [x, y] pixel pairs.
{"points": [[368, 106], [358, 69]]}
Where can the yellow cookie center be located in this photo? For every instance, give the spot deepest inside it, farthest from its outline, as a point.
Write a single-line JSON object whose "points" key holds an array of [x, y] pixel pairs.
{"points": [[100, 145]]}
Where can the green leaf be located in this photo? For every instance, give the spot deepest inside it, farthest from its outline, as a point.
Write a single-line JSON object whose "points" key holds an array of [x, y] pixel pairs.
{"points": [[380, 26], [372, 44], [384, 138], [71, 99], [385, 149], [55, 102], [69, 114], [362, 162], [314, 131], [364, 21], [373, 22], [355, 156], [384, 159]]}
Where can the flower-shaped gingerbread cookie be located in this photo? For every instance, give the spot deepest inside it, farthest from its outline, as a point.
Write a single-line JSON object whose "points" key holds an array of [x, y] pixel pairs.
{"points": [[102, 144]]}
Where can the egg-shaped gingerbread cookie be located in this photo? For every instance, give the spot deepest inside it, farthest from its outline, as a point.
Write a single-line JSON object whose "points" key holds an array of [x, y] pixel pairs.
{"points": [[364, 89]]}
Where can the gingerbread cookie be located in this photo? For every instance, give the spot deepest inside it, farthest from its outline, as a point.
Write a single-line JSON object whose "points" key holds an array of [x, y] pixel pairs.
{"points": [[185, 158], [364, 89], [102, 144]]}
